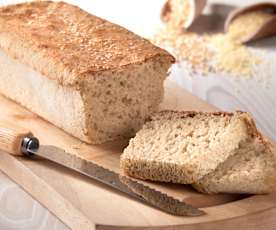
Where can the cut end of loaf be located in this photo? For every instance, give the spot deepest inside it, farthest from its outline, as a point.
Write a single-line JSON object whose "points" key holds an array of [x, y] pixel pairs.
{"points": [[94, 79], [183, 147], [117, 103]]}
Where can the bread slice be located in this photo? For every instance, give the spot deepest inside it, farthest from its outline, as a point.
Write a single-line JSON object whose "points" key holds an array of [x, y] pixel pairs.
{"points": [[183, 147], [94, 79], [251, 171]]}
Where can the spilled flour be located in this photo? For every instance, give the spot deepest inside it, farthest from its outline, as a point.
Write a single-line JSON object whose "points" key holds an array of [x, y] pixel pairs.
{"points": [[221, 52], [230, 55]]}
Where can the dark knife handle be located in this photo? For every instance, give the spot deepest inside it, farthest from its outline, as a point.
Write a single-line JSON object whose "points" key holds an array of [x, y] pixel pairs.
{"points": [[16, 140]]}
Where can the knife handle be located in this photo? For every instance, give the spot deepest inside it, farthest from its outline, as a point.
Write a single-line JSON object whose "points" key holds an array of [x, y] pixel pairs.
{"points": [[12, 138]]}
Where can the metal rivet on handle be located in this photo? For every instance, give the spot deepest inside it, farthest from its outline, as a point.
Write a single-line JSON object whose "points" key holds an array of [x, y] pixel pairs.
{"points": [[29, 145]]}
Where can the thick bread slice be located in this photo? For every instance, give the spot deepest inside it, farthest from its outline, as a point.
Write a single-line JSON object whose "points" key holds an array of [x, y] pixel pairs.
{"points": [[183, 147], [251, 171], [94, 79]]}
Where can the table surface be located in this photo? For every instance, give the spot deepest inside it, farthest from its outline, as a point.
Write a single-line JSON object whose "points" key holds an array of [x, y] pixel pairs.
{"points": [[18, 210]]}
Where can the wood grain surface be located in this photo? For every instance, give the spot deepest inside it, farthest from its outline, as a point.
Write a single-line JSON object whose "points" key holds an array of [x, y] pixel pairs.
{"points": [[18, 210], [81, 202]]}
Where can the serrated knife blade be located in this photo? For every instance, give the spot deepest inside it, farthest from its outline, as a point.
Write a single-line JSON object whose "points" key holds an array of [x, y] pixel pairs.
{"points": [[124, 184], [18, 142]]}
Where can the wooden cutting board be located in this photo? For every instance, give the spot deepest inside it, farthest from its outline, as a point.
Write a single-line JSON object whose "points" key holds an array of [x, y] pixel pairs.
{"points": [[82, 203]]}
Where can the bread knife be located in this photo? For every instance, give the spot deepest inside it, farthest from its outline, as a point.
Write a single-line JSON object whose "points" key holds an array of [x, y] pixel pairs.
{"points": [[18, 141]]}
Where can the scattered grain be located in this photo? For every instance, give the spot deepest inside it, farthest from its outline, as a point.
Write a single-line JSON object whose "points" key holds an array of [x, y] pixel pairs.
{"points": [[212, 52], [231, 55], [178, 13], [186, 46], [247, 24]]}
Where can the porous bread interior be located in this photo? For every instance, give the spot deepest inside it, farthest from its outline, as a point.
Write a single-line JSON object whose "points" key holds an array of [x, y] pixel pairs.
{"points": [[251, 170], [107, 106], [183, 149], [123, 99]]}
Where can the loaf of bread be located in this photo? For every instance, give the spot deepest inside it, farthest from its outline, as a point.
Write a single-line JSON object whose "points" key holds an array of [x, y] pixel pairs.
{"points": [[94, 79], [216, 152]]}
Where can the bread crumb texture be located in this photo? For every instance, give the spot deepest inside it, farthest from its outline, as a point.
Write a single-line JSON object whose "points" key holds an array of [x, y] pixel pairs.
{"points": [[208, 53], [94, 79], [192, 147]]}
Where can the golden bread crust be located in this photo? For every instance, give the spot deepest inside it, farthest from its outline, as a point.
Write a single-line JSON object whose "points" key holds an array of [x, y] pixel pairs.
{"points": [[67, 44]]}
